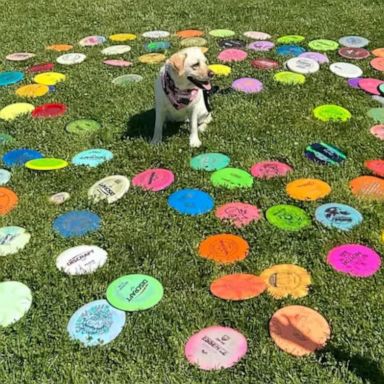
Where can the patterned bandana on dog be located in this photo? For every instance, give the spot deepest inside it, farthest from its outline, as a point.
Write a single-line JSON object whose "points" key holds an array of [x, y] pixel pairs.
{"points": [[179, 98]]}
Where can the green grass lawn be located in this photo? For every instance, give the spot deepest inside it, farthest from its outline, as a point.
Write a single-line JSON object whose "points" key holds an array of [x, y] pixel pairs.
{"points": [[143, 235]]}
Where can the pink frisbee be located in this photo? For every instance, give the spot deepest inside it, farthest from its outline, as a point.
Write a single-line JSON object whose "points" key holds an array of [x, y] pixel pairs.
{"points": [[370, 85], [118, 63], [261, 46], [354, 260], [270, 169], [238, 214], [154, 180], [232, 55], [378, 131], [247, 85], [215, 348]]}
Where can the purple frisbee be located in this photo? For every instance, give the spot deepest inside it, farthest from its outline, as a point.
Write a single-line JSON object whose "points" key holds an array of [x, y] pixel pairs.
{"points": [[319, 57], [247, 85], [354, 83], [261, 45]]}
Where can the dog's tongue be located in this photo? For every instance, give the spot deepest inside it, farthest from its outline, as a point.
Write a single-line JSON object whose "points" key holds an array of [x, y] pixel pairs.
{"points": [[207, 86]]}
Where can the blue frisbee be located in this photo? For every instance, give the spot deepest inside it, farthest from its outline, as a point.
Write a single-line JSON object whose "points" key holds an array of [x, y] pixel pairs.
{"points": [[157, 46], [18, 157], [12, 77], [191, 202], [289, 50], [76, 223], [92, 157], [339, 216], [96, 323]]}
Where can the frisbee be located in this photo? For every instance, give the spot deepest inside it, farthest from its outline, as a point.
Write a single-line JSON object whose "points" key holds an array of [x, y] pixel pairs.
{"points": [[378, 131], [155, 34], [12, 77], [118, 63], [247, 85], [264, 63], [324, 153], [92, 157], [46, 164], [59, 198], [8, 200], [20, 56], [116, 50], [221, 33], [290, 39], [83, 126], [191, 202], [261, 46], [307, 189], [289, 78], [220, 69], [5, 176], [76, 223], [91, 41], [368, 187], [354, 41], [157, 46], [49, 110], [231, 178], [370, 85], [209, 162], [331, 112], [193, 42], [302, 65], [110, 188], [377, 114], [346, 70], [18, 157], [378, 63], [49, 78], [354, 53], [5, 139], [44, 67], [323, 45], [238, 214], [288, 217], [231, 43], [338, 216], [152, 58], [71, 58], [232, 54], [375, 166], [270, 169], [60, 47], [255, 35], [378, 52], [32, 90], [122, 37], [321, 58], [289, 50], [12, 111], [156, 179], [354, 83], [12, 240], [186, 33]]}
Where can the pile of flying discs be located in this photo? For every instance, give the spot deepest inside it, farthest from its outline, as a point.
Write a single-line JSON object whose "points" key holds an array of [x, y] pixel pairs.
{"points": [[295, 329]]}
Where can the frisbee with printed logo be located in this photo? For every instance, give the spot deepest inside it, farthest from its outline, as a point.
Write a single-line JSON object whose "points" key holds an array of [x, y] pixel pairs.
{"points": [[346, 70], [49, 110], [269, 169], [59, 198], [264, 63], [288, 217], [12, 240], [191, 202], [289, 50], [321, 58], [12, 77], [261, 46], [76, 223], [49, 78], [118, 63], [231, 43], [18, 157], [220, 69], [152, 58], [285, 280], [221, 33], [110, 188], [157, 46], [5, 176], [378, 131], [209, 162], [32, 90], [368, 187], [247, 85], [20, 56], [92, 157], [238, 286], [378, 52], [12, 111], [354, 259], [378, 63], [154, 180], [375, 166], [187, 33], [354, 41], [116, 50], [354, 53], [15, 299], [215, 348], [232, 54], [91, 41], [71, 58], [323, 45], [193, 42], [339, 216], [122, 37], [238, 214], [60, 47], [81, 260], [155, 34], [324, 153], [331, 112], [46, 164], [289, 78], [370, 85], [134, 292], [83, 126], [8, 201], [224, 248], [290, 39], [299, 330], [96, 323], [255, 35], [302, 65], [377, 114], [308, 189], [231, 178]]}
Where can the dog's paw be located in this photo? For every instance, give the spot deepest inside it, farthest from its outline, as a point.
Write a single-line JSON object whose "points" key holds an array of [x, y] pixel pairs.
{"points": [[194, 142], [155, 141], [202, 127]]}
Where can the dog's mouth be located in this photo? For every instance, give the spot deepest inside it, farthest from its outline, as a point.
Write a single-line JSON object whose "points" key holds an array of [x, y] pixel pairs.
{"points": [[200, 84]]}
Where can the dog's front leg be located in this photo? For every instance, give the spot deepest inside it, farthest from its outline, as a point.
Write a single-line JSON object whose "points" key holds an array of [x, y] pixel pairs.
{"points": [[194, 141], [160, 120]]}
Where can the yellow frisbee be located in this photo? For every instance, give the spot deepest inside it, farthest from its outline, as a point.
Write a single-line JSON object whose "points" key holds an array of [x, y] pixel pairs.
{"points": [[32, 90], [12, 111], [152, 58], [49, 78], [122, 37], [220, 69]]}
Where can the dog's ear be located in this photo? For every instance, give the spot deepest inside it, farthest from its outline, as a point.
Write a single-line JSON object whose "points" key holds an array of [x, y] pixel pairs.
{"points": [[177, 62]]}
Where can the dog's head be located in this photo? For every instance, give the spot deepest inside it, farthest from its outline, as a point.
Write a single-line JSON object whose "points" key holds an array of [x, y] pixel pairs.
{"points": [[189, 69]]}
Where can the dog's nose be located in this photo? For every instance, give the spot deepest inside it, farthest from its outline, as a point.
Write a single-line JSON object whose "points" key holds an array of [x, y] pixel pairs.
{"points": [[211, 74]]}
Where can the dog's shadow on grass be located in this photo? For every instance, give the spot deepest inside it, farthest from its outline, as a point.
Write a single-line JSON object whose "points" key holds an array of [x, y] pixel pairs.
{"points": [[142, 124]]}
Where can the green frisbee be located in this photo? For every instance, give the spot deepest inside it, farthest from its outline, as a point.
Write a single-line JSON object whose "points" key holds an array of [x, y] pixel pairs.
{"points": [[290, 78], [288, 217], [134, 292], [83, 126], [331, 112], [232, 178], [127, 80], [46, 164], [377, 114], [221, 33], [323, 45], [290, 39]]}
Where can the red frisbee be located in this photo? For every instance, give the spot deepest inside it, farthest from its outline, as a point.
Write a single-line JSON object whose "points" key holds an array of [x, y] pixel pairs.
{"points": [[354, 53], [370, 85], [46, 67], [49, 110], [375, 166], [264, 63]]}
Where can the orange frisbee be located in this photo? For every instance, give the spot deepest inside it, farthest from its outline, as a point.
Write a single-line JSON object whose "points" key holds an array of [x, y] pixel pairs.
{"points": [[308, 189], [8, 201], [224, 248], [378, 52], [186, 33], [238, 286], [375, 166], [368, 187], [299, 330], [60, 47]]}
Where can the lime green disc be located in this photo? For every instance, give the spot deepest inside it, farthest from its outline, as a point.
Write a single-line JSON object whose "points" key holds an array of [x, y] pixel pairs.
{"points": [[323, 45], [83, 126], [331, 112], [288, 217], [286, 77], [232, 178], [134, 292], [221, 33], [290, 39], [46, 164]]}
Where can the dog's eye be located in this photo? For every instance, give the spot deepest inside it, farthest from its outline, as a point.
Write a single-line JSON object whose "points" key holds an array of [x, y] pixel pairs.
{"points": [[195, 66]]}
